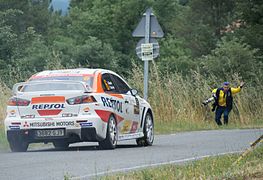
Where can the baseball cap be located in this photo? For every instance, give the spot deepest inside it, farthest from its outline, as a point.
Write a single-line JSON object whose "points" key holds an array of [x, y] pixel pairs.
{"points": [[226, 83]]}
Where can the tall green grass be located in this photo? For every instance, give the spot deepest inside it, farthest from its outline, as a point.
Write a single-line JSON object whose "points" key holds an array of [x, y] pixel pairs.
{"points": [[5, 93], [220, 167], [176, 100]]}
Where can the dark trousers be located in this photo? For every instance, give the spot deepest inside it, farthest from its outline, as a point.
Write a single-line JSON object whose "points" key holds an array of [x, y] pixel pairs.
{"points": [[219, 111]]}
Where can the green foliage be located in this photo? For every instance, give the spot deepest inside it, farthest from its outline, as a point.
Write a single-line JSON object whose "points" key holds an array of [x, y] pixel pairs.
{"points": [[232, 57], [33, 14], [251, 12], [8, 38], [173, 57], [94, 53], [199, 36]]}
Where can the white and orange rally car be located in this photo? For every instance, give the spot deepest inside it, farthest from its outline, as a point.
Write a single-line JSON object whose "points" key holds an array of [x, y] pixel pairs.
{"points": [[75, 105]]}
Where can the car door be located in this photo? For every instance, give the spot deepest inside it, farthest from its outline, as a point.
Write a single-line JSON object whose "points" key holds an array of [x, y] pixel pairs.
{"points": [[132, 110], [115, 101]]}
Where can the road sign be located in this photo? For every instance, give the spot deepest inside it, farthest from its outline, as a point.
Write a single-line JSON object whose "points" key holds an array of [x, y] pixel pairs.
{"points": [[155, 28], [146, 50], [155, 44]]}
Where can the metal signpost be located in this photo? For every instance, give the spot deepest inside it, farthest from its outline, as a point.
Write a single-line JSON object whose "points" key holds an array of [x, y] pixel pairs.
{"points": [[147, 48]]}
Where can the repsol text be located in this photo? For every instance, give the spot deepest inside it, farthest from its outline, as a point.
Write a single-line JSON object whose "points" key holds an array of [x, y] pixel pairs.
{"points": [[48, 106], [114, 104]]}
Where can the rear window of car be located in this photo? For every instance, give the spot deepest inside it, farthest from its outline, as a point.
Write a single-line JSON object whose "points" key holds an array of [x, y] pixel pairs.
{"points": [[88, 80], [56, 86]]}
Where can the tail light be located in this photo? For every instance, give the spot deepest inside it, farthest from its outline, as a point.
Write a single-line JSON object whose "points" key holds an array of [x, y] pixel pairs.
{"points": [[81, 100], [18, 102]]}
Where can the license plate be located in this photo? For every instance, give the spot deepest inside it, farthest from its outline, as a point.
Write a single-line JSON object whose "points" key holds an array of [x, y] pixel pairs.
{"points": [[50, 133]]}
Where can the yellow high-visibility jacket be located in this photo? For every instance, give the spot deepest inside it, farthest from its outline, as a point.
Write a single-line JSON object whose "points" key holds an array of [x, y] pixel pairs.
{"points": [[222, 97]]}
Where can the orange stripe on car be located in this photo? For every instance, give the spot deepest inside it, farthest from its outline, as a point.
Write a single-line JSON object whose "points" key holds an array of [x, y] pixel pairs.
{"points": [[48, 99], [59, 74], [98, 84], [117, 95], [49, 112], [119, 118], [104, 115]]}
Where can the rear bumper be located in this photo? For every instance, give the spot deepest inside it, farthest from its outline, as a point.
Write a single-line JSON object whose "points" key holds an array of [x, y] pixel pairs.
{"points": [[83, 128], [71, 136]]}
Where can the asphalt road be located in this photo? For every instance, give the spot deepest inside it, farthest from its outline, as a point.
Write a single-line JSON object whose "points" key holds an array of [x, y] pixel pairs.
{"points": [[85, 161]]}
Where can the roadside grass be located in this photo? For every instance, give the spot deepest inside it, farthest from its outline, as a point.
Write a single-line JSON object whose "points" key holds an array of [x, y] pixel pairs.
{"points": [[5, 93], [174, 127], [219, 167], [3, 141], [176, 100]]}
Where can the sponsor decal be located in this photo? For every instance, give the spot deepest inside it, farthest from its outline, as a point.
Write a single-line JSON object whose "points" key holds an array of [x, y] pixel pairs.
{"points": [[16, 123], [136, 107], [112, 103], [86, 109], [26, 125], [42, 124], [48, 105], [14, 127], [52, 124], [65, 123], [86, 113], [48, 109], [86, 124], [86, 78], [67, 115], [28, 116], [126, 126], [12, 113], [134, 127], [130, 136]]}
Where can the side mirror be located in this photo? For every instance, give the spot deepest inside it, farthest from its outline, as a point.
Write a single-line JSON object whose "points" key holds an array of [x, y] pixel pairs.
{"points": [[134, 92]]}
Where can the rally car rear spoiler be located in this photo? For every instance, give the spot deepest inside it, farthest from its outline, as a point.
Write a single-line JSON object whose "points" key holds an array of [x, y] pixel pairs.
{"points": [[18, 87]]}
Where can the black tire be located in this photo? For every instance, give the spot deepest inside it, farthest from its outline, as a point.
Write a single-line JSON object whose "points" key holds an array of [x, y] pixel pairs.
{"points": [[111, 137], [18, 146], [148, 131], [61, 145]]}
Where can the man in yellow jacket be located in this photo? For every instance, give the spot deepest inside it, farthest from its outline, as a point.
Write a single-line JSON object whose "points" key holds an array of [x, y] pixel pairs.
{"points": [[223, 101]]}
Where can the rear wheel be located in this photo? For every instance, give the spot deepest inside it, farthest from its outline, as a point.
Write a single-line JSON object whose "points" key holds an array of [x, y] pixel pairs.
{"points": [[61, 145], [148, 130], [111, 137], [18, 146]]}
